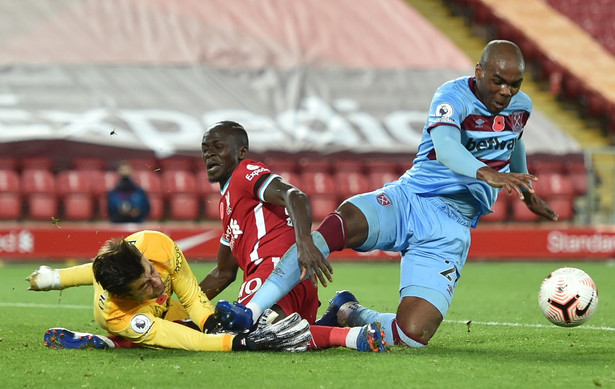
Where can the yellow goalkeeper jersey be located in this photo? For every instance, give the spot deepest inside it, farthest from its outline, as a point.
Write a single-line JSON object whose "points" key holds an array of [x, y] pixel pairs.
{"points": [[150, 322]]}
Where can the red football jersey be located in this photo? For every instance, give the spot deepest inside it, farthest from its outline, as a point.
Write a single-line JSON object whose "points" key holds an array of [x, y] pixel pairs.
{"points": [[254, 230]]}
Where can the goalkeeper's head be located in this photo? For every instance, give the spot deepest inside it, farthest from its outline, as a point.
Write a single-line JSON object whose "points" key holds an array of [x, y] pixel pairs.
{"points": [[121, 269]]}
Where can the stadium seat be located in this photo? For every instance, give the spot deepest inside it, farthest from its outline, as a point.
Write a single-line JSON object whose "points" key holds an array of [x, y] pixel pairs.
{"points": [[314, 165], [149, 180], [520, 212], [178, 181], [349, 183], [75, 181], [348, 165], [278, 165], [209, 194], [77, 206], [139, 164], [177, 163], [37, 181], [38, 188], [9, 181], [184, 206], [10, 195], [36, 163], [42, 206], [10, 206], [76, 191], [180, 192], [564, 206], [320, 187], [553, 184], [8, 163], [97, 164]]}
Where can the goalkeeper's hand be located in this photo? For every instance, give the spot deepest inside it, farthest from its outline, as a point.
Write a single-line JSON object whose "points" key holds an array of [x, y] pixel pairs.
{"points": [[289, 334], [45, 278]]}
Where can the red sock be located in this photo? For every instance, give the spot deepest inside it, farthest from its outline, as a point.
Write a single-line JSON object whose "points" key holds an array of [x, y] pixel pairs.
{"points": [[325, 337], [333, 229], [123, 342]]}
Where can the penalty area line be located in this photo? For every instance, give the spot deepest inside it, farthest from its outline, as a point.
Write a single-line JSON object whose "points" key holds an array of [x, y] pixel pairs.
{"points": [[53, 306], [526, 325]]}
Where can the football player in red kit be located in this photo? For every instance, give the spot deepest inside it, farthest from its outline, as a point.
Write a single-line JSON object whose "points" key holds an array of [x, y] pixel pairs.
{"points": [[262, 216]]}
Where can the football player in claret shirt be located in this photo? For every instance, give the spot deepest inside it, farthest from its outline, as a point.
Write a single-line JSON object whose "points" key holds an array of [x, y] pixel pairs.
{"points": [[134, 279], [472, 147], [262, 216]]}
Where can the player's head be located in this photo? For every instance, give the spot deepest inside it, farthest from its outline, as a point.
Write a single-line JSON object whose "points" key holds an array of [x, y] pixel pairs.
{"points": [[120, 268], [499, 74], [224, 145]]}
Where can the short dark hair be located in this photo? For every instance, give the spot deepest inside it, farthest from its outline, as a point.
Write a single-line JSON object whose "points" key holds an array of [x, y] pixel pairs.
{"points": [[236, 130], [117, 264]]}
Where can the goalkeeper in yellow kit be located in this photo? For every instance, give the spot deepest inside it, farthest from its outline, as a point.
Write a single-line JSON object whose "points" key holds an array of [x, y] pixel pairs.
{"points": [[134, 279]]}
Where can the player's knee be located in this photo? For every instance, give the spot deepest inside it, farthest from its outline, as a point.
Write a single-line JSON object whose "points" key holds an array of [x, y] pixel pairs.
{"points": [[417, 321]]}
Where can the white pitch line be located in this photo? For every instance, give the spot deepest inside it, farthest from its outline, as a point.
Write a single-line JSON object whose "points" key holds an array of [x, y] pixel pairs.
{"points": [[53, 306], [495, 323], [484, 323]]}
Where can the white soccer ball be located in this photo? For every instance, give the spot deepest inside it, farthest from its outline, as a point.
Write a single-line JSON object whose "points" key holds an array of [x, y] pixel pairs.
{"points": [[568, 297]]}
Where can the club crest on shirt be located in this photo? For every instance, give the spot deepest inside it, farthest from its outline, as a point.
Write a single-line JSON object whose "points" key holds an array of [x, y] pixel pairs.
{"points": [[384, 200], [140, 323], [517, 121]]}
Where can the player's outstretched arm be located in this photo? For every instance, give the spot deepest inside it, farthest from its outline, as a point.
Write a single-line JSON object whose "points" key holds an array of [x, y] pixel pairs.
{"points": [[311, 261], [540, 207], [511, 182], [289, 334]]}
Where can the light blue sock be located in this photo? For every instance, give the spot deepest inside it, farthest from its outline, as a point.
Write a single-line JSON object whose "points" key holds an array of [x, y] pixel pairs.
{"points": [[284, 277], [360, 316]]}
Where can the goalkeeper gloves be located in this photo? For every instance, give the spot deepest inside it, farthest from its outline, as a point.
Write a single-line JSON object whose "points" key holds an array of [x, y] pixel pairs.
{"points": [[45, 278], [289, 334]]}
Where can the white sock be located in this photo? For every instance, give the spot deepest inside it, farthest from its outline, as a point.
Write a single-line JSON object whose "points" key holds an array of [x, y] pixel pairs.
{"points": [[351, 338]]}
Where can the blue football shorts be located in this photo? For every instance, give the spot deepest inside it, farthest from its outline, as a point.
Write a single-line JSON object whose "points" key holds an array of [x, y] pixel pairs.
{"points": [[432, 237]]}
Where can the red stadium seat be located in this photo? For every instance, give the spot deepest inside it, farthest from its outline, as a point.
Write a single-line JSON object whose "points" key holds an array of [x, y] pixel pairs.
{"points": [[314, 165], [348, 165], [10, 206], [42, 206], [184, 206], [349, 183], [520, 212], [75, 181], [38, 187], [10, 195], [149, 180], [9, 181], [553, 184], [139, 164], [177, 163], [8, 164], [278, 165], [320, 187], [42, 163], [77, 206], [180, 191], [210, 195], [37, 181], [317, 182], [76, 190], [579, 182], [564, 207], [88, 164]]}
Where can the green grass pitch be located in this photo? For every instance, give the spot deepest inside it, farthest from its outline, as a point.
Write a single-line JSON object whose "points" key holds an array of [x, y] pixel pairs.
{"points": [[493, 337]]}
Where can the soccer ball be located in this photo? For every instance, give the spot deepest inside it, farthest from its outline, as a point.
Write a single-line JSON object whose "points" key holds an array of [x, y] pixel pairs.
{"points": [[568, 297]]}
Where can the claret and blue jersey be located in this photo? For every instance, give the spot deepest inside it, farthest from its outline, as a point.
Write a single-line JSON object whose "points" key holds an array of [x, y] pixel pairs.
{"points": [[489, 138]]}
